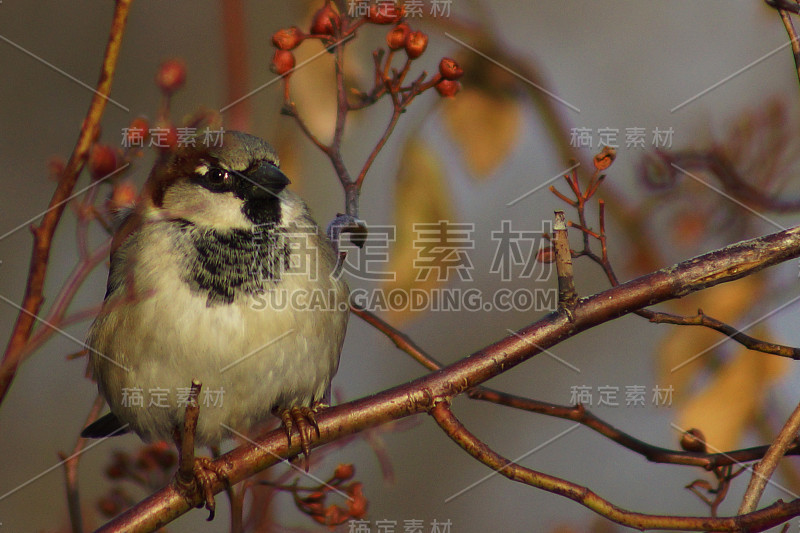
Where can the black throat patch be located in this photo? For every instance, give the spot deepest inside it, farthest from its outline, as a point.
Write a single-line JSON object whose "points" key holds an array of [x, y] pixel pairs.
{"points": [[224, 264]]}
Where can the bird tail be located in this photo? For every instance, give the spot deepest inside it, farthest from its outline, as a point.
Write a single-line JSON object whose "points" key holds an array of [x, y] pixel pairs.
{"points": [[106, 426]]}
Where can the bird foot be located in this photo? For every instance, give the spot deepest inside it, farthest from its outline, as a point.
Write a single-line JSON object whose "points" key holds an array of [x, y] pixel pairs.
{"points": [[200, 479], [304, 418]]}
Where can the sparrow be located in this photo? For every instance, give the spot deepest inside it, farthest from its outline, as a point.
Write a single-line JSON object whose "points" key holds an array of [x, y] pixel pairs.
{"points": [[218, 274]]}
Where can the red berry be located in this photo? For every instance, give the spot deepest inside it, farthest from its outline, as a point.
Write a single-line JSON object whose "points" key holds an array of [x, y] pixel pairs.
{"points": [[357, 505], [282, 62], [102, 161], [344, 471], [449, 69], [416, 43], [396, 38], [171, 75], [385, 12], [448, 88], [137, 132], [287, 38], [325, 21], [123, 196]]}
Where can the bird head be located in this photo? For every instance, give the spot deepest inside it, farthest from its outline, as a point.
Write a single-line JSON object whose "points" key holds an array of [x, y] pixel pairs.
{"points": [[235, 183]]}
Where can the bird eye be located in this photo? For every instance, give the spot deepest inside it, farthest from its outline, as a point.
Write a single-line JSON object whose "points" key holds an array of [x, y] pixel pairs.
{"points": [[217, 177]]}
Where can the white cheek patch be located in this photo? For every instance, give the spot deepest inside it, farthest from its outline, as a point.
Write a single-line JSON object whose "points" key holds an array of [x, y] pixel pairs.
{"points": [[289, 212], [203, 207]]}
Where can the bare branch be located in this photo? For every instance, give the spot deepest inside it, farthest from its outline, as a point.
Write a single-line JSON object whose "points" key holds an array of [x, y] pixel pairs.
{"points": [[757, 521], [720, 266], [43, 233]]}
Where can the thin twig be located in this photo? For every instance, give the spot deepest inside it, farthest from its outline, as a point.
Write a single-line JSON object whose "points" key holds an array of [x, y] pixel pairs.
{"points": [[655, 454], [379, 146], [789, 25], [756, 521], [71, 471], [701, 319], [43, 233], [400, 339], [57, 313]]}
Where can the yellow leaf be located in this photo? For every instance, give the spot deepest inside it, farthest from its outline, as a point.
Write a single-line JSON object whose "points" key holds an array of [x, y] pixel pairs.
{"points": [[486, 127], [725, 408], [686, 351], [421, 196]]}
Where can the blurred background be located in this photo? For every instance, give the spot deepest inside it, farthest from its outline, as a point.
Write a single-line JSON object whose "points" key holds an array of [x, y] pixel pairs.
{"points": [[677, 82]]}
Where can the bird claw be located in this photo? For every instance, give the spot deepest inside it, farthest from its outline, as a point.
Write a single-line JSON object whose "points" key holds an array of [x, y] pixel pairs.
{"points": [[304, 418], [201, 479]]}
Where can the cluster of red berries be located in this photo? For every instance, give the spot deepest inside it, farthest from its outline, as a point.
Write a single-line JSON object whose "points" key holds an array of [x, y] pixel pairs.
{"points": [[149, 468], [333, 515], [327, 23], [103, 159]]}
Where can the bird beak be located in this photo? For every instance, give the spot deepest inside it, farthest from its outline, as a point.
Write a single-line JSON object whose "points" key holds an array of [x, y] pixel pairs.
{"points": [[266, 180]]}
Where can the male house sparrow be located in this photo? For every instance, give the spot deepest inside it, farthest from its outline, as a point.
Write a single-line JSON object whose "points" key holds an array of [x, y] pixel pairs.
{"points": [[213, 234]]}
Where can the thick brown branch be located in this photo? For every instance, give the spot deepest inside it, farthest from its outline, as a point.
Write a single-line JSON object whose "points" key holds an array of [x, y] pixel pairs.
{"points": [[727, 264], [43, 233], [757, 521], [577, 413]]}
